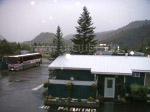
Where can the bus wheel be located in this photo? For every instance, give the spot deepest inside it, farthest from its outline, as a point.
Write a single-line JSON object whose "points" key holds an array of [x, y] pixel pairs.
{"points": [[37, 64]]}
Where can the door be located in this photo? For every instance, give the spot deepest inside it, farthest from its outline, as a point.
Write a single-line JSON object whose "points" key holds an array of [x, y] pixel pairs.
{"points": [[109, 91], [147, 79]]}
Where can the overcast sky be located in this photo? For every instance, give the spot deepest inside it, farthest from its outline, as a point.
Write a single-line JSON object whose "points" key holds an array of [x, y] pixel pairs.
{"points": [[22, 20]]}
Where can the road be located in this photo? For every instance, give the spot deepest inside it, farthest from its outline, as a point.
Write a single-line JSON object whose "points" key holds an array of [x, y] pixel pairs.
{"points": [[22, 91]]}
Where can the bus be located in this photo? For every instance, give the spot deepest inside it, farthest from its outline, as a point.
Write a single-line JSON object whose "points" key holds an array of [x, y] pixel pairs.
{"points": [[21, 62]]}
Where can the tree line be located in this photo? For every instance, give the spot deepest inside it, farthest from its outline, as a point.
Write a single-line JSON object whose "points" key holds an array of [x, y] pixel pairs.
{"points": [[11, 48]]}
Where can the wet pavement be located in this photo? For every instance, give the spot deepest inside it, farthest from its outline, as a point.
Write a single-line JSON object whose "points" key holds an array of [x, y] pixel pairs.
{"points": [[22, 92]]}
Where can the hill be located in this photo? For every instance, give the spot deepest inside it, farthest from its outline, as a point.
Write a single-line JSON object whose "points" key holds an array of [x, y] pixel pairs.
{"points": [[99, 36], [124, 35], [131, 35], [42, 38], [135, 24], [133, 38]]}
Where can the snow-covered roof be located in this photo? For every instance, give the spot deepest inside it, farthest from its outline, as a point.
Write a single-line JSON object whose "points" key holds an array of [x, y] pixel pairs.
{"points": [[113, 65]]}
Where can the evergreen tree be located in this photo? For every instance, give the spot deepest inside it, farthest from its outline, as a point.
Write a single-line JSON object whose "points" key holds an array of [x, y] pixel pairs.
{"points": [[18, 46], [84, 39], [126, 48], [58, 43], [35, 44]]}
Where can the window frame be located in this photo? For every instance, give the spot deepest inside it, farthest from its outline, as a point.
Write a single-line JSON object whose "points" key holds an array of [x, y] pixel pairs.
{"points": [[136, 74]]}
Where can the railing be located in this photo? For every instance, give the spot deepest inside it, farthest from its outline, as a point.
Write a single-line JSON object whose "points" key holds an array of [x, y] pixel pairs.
{"points": [[74, 82]]}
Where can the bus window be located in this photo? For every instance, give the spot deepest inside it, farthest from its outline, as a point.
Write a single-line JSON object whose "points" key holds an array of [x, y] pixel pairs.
{"points": [[39, 56], [14, 60], [18, 60], [36, 56], [21, 59], [25, 58]]}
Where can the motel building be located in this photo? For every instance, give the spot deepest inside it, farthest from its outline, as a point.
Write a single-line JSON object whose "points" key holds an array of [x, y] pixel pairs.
{"points": [[80, 80]]}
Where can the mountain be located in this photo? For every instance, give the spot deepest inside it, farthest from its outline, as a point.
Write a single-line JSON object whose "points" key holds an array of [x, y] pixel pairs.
{"points": [[1, 37], [133, 37], [99, 36], [46, 38], [69, 37], [123, 35], [109, 34], [135, 24]]}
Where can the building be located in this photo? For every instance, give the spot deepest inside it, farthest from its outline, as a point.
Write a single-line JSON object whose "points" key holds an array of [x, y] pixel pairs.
{"points": [[44, 50], [25, 51], [86, 76], [102, 47], [104, 53]]}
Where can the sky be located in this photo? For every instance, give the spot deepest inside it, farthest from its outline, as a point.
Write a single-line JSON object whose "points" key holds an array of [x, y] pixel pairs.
{"points": [[22, 20]]}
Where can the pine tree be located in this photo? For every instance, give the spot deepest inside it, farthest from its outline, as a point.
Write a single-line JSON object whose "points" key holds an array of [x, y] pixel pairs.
{"points": [[35, 44], [84, 39], [58, 43]]}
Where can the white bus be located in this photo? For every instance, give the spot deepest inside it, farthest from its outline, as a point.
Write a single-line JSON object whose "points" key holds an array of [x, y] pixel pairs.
{"points": [[21, 62]]}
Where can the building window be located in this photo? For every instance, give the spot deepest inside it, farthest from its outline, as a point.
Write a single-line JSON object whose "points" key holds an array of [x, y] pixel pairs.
{"points": [[136, 74], [109, 84]]}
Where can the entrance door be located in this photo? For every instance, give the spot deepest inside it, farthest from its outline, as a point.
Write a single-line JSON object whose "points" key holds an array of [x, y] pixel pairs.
{"points": [[109, 91]]}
